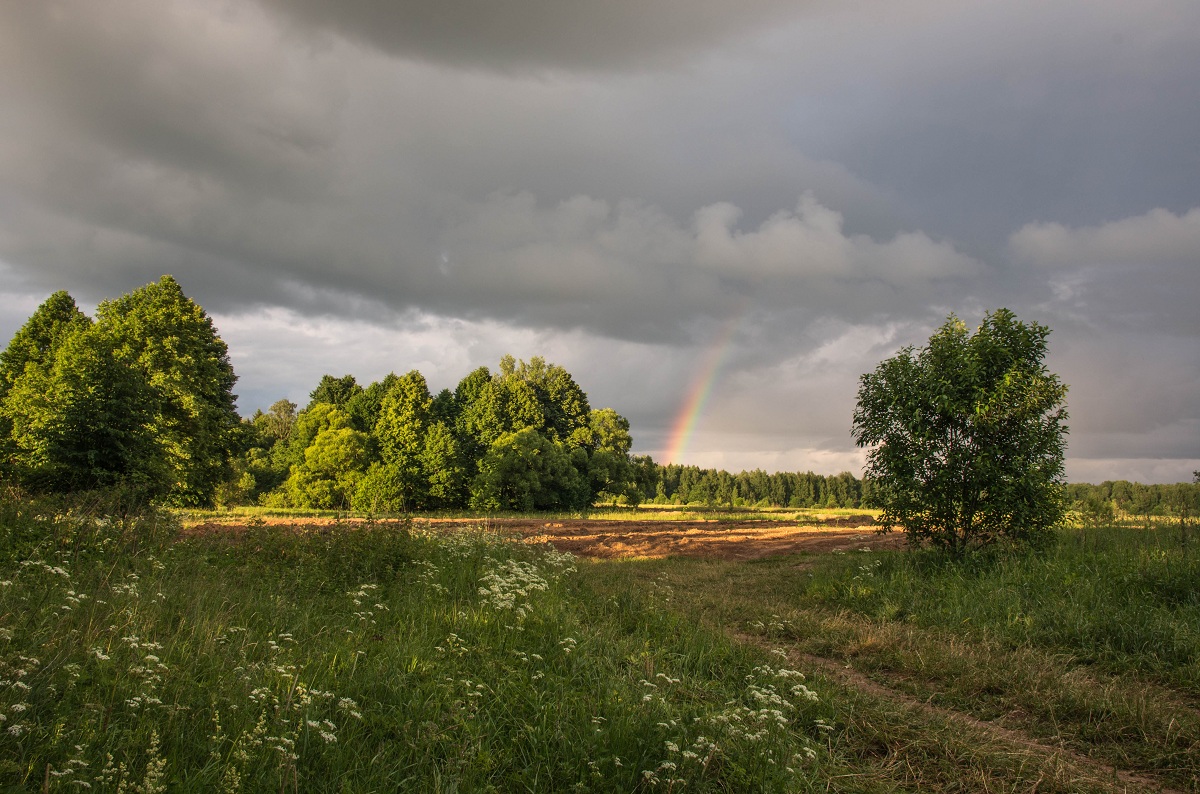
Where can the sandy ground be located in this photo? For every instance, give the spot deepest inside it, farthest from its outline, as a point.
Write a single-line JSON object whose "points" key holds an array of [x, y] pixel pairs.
{"points": [[729, 540]]}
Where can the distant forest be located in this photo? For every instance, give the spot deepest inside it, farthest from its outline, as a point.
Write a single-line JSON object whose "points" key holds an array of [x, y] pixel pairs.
{"points": [[675, 484]]}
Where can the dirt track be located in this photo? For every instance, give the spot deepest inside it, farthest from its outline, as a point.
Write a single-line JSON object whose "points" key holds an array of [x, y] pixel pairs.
{"points": [[729, 540]]}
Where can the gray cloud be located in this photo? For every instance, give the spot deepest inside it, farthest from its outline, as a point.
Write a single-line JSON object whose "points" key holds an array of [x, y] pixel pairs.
{"points": [[539, 34], [365, 187], [1139, 273], [1156, 238]]}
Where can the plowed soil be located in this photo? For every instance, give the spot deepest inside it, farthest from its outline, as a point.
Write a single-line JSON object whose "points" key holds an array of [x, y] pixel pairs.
{"points": [[725, 539]]}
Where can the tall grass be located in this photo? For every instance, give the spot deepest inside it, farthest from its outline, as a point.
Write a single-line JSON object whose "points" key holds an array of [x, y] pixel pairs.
{"points": [[368, 659], [1126, 599], [1088, 644]]}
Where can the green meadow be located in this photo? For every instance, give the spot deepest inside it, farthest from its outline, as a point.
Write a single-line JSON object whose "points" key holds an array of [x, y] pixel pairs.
{"points": [[386, 657]]}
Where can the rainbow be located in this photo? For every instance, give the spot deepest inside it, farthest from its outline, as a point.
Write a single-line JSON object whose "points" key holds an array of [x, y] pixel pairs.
{"points": [[701, 388]]}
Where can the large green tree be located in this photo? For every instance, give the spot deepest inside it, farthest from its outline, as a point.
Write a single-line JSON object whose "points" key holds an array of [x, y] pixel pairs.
{"points": [[33, 349], [82, 419], [161, 333], [611, 472], [563, 404], [966, 435], [35, 343], [445, 472]]}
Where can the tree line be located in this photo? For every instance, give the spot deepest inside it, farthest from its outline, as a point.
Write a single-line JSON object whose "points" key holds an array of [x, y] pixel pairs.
{"points": [[140, 397], [1103, 501], [677, 484], [521, 438]]}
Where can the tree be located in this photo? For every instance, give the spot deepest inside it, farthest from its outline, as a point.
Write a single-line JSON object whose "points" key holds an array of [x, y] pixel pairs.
{"points": [[168, 338], [365, 405], [82, 420], [502, 406], [36, 341], [611, 473], [34, 345], [332, 468], [280, 420], [526, 471], [966, 435], [400, 430], [563, 406], [441, 460], [335, 391]]}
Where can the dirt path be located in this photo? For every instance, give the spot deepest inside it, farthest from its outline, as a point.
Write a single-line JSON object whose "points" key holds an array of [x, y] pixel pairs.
{"points": [[1098, 772]]}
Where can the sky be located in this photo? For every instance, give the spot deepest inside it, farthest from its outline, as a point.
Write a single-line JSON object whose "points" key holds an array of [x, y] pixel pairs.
{"points": [[716, 214]]}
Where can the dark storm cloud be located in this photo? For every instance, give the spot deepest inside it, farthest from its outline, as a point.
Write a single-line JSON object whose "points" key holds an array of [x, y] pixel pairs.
{"points": [[539, 34], [368, 186], [986, 116]]}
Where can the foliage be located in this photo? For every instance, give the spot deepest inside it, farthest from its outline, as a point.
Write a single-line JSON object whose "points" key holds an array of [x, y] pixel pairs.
{"points": [[335, 391], [1114, 497], [381, 490], [280, 420], [442, 463], [171, 341], [36, 342], [445, 451], [400, 430], [332, 468], [364, 407], [86, 420], [526, 471], [966, 435], [168, 340], [681, 485], [29, 357]]}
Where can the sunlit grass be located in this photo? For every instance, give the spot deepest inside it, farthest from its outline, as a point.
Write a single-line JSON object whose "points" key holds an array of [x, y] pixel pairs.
{"points": [[1093, 643], [371, 658], [646, 512]]}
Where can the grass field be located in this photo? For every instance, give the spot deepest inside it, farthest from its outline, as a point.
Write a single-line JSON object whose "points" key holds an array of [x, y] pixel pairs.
{"points": [[1091, 648], [647, 512], [386, 658], [378, 659]]}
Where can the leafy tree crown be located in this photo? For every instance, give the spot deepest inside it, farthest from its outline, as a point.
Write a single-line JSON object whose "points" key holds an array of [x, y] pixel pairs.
{"points": [[966, 435]]}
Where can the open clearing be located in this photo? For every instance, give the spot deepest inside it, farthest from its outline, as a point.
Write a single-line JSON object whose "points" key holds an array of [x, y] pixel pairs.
{"points": [[925, 700], [650, 539]]}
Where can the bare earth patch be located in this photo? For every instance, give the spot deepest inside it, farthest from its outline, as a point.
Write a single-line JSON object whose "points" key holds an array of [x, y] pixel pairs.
{"points": [[609, 539], [742, 540]]}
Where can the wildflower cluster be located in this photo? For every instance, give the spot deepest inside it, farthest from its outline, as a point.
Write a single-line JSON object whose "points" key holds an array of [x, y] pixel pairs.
{"points": [[507, 586], [292, 714], [427, 575], [759, 724], [462, 544], [774, 627], [365, 613]]}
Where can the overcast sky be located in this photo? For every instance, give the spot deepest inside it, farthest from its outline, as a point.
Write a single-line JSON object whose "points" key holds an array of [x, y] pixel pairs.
{"points": [[634, 189]]}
